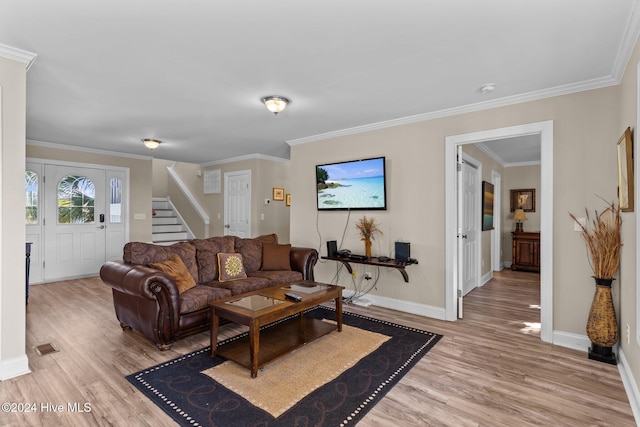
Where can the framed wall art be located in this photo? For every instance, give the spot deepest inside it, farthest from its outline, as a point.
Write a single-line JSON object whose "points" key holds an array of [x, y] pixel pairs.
{"points": [[523, 199], [278, 193], [288, 200], [625, 171], [487, 206]]}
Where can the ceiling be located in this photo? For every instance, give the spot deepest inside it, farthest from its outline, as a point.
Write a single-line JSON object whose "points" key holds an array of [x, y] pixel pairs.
{"points": [[109, 73]]}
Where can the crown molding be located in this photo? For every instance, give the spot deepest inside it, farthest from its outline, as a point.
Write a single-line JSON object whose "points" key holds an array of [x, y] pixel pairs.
{"points": [[629, 40], [15, 54], [86, 150], [486, 105], [255, 156]]}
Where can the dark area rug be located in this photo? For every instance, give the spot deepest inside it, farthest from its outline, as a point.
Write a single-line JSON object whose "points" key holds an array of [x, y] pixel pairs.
{"points": [[194, 399]]}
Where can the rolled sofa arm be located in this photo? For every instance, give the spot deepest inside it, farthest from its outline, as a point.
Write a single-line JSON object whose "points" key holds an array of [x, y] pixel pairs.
{"points": [[156, 312], [137, 280], [304, 260]]}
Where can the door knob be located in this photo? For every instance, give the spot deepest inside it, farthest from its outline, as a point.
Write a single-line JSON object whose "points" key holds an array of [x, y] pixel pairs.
{"points": [[100, 227]]}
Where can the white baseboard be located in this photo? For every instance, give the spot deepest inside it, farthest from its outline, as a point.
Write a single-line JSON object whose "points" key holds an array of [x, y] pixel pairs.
{"points": [[14, 367], [484, 279], [569, 340], [405, 306], [630, 385]]}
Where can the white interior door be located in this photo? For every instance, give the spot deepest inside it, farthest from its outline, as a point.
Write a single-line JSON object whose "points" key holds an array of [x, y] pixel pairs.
{"points": [[74, 222], [237, 203], [460, 239], [470, 225]]}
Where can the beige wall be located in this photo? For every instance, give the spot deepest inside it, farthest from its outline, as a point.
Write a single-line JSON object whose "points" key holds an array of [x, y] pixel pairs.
{"points": [[140, 181], [585, 125], [265, 174], [627, 286], [13, 359]]}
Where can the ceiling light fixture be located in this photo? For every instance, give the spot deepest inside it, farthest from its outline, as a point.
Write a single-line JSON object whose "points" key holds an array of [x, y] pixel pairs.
{"points": [[275, 104], [487, 88], [151, 144]]}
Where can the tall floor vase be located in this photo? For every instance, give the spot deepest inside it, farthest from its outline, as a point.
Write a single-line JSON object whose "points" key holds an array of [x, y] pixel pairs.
{"points": [[602, 325]]}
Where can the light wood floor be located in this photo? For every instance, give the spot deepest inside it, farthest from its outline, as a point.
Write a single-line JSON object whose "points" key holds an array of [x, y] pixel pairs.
{"points": [[490, 369]]}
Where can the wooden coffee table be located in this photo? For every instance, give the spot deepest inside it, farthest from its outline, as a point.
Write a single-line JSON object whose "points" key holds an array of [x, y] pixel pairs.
{"points": [[262, 307]]}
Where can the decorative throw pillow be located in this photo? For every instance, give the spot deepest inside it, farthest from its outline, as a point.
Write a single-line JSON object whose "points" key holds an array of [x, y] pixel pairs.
{"points": [[276, 257], [174, 267], [230, 267]]}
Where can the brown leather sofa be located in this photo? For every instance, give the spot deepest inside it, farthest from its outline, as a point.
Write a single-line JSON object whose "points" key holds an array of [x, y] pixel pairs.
{"points": [[148, 300]]}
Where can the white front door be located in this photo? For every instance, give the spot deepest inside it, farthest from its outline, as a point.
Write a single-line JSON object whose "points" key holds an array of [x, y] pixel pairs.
{"points": [[470, 225], [237, 203], [75, 221]]}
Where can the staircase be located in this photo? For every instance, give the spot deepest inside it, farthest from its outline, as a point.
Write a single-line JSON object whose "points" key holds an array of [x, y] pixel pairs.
{"points": [[167, 225]]}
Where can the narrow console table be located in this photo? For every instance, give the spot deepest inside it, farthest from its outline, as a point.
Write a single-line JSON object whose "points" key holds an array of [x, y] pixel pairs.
{"points": [[392, 263], [525, 254]]}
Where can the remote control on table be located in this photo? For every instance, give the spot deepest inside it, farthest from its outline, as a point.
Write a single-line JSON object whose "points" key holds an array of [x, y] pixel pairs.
{"points": [[296, 298]]}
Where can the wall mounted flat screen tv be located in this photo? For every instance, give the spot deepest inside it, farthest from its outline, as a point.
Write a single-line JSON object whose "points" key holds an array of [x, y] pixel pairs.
{"points": [[352, 185]]}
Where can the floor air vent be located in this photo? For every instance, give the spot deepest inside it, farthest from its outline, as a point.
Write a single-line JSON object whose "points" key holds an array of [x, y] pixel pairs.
{"points": [[46, 349]]}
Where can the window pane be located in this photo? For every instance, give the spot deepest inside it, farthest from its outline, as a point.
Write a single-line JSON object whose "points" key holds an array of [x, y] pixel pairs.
{"points": [[115, 204], [76, 196], [31, 197]]}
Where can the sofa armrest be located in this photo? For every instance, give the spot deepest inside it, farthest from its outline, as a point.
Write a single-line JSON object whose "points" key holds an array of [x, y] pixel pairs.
{"points": [[138, 280], [303, 260]]}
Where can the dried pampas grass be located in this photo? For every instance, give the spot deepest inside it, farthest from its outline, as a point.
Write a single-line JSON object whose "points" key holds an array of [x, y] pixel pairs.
{"points": [[368, 228], [603, 241]]}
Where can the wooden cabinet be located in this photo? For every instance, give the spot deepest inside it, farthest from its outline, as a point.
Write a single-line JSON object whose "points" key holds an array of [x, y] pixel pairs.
{"points": [[525, 254]]}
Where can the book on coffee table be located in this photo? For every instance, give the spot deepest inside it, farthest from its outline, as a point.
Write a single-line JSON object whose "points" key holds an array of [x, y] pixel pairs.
{"points": [[305, 288]]}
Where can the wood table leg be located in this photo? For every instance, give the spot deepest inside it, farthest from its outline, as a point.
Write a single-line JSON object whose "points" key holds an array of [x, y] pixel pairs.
{"points": [[215, 325], [254, 347], [339, 312]]}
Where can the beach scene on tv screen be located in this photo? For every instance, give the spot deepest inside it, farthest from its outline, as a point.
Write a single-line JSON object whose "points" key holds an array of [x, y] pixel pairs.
{"points": [[351, 185]]}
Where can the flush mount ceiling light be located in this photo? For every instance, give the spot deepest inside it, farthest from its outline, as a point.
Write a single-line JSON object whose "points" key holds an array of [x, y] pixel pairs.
{"points": [[487, 88], [275, 104], [151, 144]]}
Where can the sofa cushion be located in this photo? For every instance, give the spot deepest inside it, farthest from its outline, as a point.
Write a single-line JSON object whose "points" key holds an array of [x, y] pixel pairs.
{"points": [[175, 268], [146, 253], [230, 267], [207, 255], [199, 297], [275, 277], [275, 257], [251, 283], [251, 250]]}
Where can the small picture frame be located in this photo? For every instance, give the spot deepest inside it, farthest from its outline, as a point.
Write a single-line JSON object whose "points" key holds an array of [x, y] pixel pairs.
{"points": [[487, 206], [523, 199], [278, 193], [625, 171], [288, 199]]}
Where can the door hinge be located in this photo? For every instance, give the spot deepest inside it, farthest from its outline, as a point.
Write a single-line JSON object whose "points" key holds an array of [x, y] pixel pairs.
{"points": [[458, 167], [459, 293], [42, 264]]}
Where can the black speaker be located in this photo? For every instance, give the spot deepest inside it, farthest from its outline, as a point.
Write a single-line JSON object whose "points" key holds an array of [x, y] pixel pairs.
{"points": [[332, 248], [403, 251]]}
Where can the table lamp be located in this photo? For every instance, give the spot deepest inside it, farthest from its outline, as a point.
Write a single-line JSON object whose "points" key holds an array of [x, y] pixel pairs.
{"points": [[519, 216]]}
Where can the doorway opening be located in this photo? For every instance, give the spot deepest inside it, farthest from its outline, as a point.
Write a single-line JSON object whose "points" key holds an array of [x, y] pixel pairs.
{"points": [[545, 131]]}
